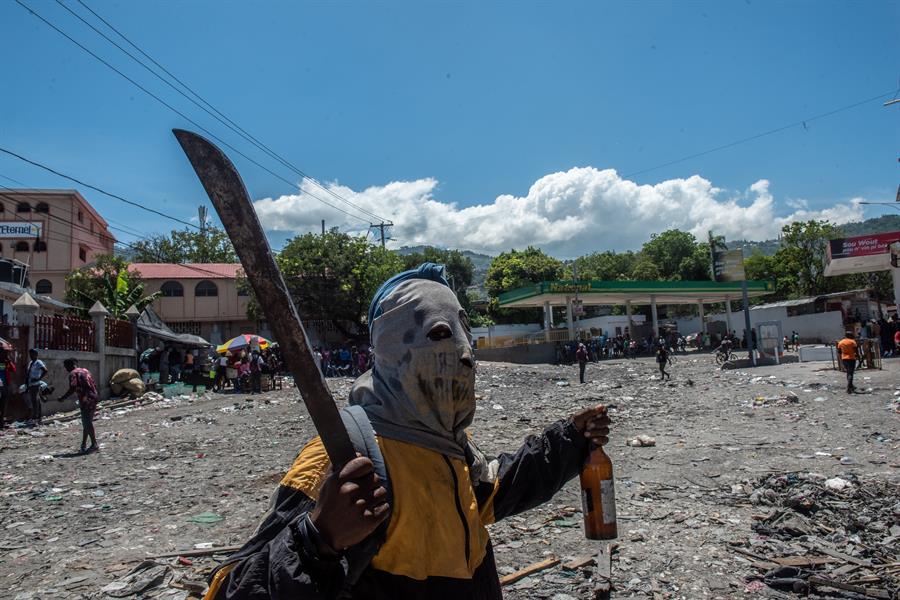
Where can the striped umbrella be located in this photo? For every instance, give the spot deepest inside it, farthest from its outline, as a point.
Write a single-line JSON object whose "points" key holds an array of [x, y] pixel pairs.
{"points": [[243, 341]]}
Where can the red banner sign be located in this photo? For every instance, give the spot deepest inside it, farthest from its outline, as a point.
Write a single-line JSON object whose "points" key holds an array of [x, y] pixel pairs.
{"points": [[862, 245]]}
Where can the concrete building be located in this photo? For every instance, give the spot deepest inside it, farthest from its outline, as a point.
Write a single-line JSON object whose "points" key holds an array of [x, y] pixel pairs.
{"points": [[200, 299], [53, 232], [817, 319]]}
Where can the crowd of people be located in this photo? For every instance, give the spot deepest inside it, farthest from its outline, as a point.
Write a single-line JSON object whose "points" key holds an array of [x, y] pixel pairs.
{"points": [[243, 370], [342, 361]]}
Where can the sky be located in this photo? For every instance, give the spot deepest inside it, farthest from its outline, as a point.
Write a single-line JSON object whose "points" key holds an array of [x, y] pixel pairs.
{"points": [[572, 126]]}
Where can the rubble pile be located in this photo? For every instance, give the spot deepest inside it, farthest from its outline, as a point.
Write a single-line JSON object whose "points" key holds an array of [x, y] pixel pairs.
{"points": [[827, 536]]}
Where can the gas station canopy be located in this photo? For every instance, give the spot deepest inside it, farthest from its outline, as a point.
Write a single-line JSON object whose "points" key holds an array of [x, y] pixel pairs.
{"points": [[602, 293]]}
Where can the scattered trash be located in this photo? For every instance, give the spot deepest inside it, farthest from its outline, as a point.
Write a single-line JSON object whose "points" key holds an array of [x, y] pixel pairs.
{"points": [[206, 518], [779, 400], [837, 484], [836, 534], [142, 579], [642, 440]]}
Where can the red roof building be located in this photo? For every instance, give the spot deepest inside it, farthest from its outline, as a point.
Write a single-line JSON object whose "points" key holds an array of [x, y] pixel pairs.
{"points": [[201, 299]]}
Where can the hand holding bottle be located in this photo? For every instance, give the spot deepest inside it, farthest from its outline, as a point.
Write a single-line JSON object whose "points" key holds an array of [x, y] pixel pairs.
{"points": [[594, 423]]}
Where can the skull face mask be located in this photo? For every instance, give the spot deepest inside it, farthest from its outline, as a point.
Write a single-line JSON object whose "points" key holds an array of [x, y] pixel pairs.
{"points": [[421, 389]]}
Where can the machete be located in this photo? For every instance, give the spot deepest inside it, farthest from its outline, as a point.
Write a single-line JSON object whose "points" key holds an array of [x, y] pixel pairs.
{"points": [[229, 196]]}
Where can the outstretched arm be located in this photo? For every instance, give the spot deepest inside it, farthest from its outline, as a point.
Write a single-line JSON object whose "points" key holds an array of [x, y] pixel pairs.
{"points": [[546, 462]]}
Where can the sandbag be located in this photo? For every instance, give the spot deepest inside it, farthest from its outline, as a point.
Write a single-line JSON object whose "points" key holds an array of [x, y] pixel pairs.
{"points": [[134, 386], [123, 375]]}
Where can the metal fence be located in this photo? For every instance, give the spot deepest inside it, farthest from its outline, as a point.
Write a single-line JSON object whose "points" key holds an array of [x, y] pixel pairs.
{"points": [[59, 332], [119, 334]]}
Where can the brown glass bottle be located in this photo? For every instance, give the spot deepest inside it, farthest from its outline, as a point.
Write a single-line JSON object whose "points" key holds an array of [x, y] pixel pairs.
{"points": [[598, 496]]}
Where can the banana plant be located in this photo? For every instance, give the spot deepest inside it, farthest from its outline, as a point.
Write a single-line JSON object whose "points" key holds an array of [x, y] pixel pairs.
{"points": [[119, 296]]}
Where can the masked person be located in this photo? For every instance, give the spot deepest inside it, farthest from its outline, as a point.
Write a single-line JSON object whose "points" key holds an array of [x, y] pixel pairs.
{"points": [[430, 528]]}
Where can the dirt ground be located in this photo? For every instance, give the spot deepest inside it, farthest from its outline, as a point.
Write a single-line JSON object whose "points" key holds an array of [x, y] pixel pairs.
{"points": [[187, 474]]}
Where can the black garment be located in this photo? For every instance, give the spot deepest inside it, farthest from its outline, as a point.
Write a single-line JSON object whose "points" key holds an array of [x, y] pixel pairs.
{"points": [[581, 368], [281, 560], [850, 367]]}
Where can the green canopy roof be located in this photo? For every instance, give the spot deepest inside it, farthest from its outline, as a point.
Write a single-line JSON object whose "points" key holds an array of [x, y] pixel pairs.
{"points": [[595, 293]]}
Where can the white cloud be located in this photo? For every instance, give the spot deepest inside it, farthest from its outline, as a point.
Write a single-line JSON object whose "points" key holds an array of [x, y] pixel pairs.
{"points": [[566, 213]]}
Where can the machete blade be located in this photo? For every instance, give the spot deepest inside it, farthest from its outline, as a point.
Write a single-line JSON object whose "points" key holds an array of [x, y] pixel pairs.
{"points": [[229, 196]]}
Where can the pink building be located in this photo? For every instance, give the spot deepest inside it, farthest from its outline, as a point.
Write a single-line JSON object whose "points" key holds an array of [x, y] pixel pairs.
{"points": [[202, 299], [54, 232]]}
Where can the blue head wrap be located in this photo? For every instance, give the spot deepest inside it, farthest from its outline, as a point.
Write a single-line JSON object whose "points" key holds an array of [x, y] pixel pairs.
{"points": [[431, 271]]}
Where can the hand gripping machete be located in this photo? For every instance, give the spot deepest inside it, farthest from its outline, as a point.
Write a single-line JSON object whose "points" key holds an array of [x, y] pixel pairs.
{"points": [[229, 196]]}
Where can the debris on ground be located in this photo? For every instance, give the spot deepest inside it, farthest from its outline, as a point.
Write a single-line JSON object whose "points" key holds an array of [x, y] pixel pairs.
{"points": [[183, 481], [642, 440], [826, 537]]}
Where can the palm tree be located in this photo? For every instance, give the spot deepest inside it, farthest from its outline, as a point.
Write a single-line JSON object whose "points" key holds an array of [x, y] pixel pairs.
{"points": [[118, 297]]}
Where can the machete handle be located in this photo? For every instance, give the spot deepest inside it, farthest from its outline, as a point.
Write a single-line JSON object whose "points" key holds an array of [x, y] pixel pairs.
{"points": [[226, 190]]}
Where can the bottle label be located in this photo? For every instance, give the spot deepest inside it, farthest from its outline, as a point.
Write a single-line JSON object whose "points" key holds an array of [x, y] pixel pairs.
{"points": [[608, 501], [586, 505]]}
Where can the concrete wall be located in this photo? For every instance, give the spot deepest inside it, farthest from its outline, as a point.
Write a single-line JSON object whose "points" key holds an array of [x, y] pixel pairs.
{"points": [[818, 327], [608, 323], [58, 377], [529, 354], [505, 330]]}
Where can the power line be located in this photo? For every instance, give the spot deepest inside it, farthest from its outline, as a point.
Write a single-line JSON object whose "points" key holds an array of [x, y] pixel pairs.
{"points": [[211, 110], [180, 113], [192, 267], [799, 123], [16, 181], [93, 187]]}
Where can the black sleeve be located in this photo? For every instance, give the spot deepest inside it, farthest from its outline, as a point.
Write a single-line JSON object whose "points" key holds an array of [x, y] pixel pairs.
{"points": [[281, 560], [541, 467]]}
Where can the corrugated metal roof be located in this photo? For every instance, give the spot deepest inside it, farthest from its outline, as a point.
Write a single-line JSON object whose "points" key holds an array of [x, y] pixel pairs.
{"points": [[807, 300], [186, 271]]}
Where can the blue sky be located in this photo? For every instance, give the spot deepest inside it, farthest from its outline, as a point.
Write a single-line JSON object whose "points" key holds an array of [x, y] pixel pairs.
{"points": [[480, 125]]}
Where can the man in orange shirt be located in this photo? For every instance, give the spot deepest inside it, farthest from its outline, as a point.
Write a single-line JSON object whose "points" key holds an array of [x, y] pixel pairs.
{"points": [[847, 347]]}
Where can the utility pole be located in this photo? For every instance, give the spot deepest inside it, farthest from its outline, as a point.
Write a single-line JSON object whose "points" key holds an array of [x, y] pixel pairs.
{"points": [[323, 227], [201, 213], [381, 227]]}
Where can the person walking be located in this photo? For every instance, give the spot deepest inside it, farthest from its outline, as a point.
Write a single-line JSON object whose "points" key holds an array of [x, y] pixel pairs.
{"points": [[35, 373], [7, 369], [257, 364], [848, 349], [662, 357], [221, 373], [163, 366], [81, 382], [581, 356]]}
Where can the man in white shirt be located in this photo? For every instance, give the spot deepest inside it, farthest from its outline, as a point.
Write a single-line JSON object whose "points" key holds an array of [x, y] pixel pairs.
{"points": [[34, 374]]}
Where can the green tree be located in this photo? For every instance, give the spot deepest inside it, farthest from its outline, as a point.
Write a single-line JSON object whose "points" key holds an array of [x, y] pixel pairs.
{"points": [[333, 277], [606, 266], [515, 269], [646, 270], [186, 246], [459, 269], [799, 264], [677, 255], [109, 281]]}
